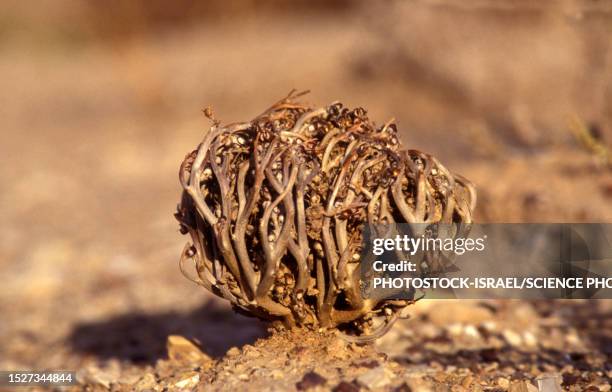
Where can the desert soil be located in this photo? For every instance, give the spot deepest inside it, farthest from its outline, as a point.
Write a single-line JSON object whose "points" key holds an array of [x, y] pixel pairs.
{"points": [[95, 128]]}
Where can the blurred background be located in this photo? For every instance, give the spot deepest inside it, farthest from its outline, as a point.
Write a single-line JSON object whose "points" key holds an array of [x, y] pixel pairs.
{"points": [[102, 100]]}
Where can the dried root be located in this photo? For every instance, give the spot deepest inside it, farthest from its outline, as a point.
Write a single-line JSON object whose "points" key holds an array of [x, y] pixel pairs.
{"points": [[276, 209]]}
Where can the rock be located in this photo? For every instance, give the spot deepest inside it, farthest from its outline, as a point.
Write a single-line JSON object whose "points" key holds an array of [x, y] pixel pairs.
{"points": [[98, 376], [530, 339], [503, 382], [129, 378], [532, 388], [310, 380], [233, 352], [472, 332], [250, 351], [455, 329], [513, 338], [491, 367], [146, 383], [188, 381], [521, 386], [101, 379], [375, 378], [549, 382], [573, 339], [489, 326], [182, 350], [467, 381]]}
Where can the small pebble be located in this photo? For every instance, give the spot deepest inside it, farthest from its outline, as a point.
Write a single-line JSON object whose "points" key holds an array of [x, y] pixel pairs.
{"points": [[375, 378], [513, 338], [503, 382], [530, 339], [467, 381], [490, 326], [455, 329], [472, 332]]}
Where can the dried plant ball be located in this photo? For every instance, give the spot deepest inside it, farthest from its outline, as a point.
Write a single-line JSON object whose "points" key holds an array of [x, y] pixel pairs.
{"points": [[276, 209]]}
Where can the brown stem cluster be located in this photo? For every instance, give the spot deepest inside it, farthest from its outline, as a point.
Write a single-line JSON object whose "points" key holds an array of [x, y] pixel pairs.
{"points": [[276, 209]]}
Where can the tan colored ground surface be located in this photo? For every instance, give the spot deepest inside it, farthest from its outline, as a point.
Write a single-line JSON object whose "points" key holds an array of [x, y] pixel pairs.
{"points": [[95, 124]]}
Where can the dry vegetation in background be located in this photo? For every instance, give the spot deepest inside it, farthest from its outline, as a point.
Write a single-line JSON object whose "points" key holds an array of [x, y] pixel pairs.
{"points": [[100, 105]]}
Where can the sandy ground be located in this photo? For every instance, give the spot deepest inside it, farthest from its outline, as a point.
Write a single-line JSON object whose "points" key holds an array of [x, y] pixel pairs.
{"points": [[93, 133]]}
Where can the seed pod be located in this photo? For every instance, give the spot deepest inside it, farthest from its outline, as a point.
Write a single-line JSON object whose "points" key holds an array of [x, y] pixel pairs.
{"points": [[325, 189]]}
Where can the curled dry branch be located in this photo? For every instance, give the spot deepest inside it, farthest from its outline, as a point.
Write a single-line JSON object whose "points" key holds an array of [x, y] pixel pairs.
{"points": [[276, 209]]}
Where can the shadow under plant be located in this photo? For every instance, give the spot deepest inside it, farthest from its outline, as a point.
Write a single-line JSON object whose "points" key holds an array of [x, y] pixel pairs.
{"points": [[140, 338]]}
